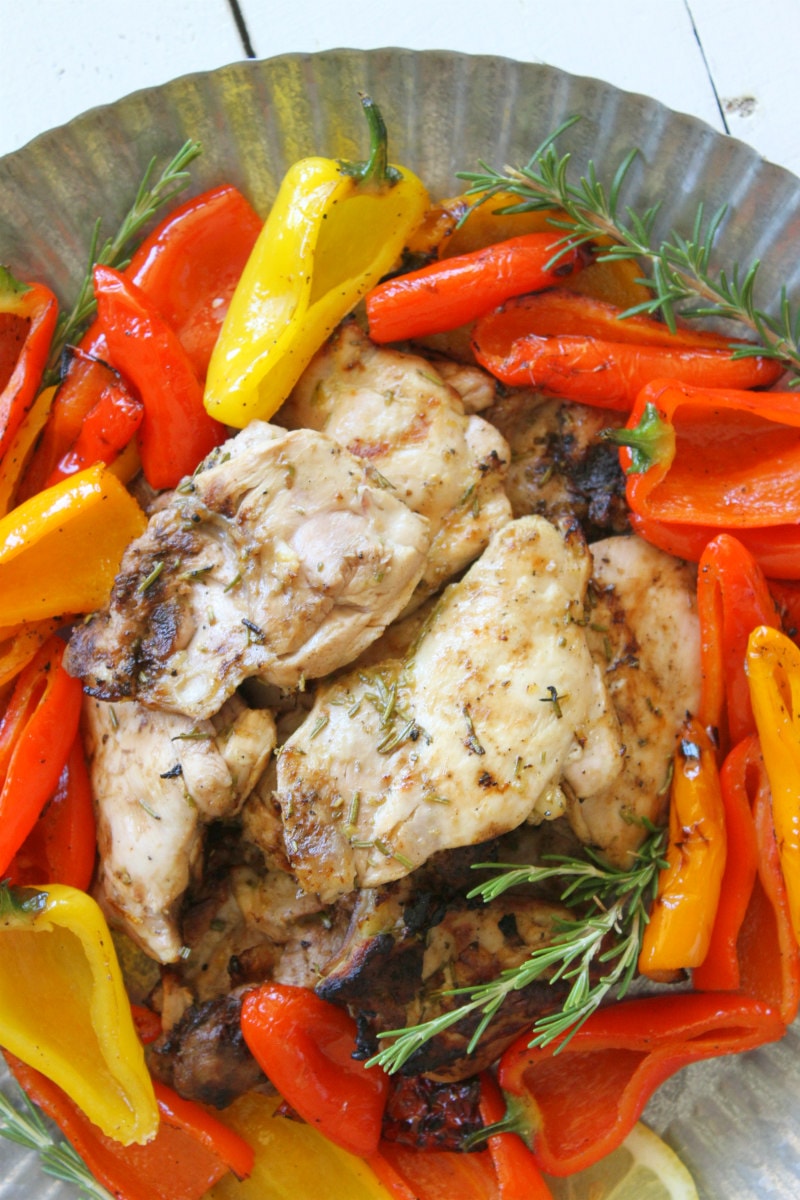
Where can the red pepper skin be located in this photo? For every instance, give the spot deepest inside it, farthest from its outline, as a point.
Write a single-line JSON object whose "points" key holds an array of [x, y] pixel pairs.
{"points": [[579, 349], [733, 597], [105, 431], [589, 1096], [518, 1175], [787, 600], [305, 1046], [720, 969], [457, 290], [36, 735], [188, 267], [62, 846], [29, 312], [178, 1164], [176, 432], [435, 1174], [748, 478], [776, 548]]}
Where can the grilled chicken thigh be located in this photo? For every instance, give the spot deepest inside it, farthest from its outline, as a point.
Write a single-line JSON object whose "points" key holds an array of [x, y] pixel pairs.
{"points": [[396, 411], [157, 779], [463, 738], [282, 558]]}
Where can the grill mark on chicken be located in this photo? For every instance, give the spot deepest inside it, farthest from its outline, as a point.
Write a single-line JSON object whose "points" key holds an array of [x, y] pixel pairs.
{"points": [[559, 466], [396, 410], [282, 558], [462, 739]]}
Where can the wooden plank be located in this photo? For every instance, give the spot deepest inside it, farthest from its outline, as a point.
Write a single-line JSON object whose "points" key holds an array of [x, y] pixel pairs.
{"points": [[60, 59], [751, 50], [630, 44]]}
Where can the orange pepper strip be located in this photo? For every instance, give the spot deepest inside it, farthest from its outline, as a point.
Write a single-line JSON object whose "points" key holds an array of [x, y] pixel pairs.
{"points": [[776, 548], [16, 457], [732, 598], [28, 313], [682, 916], [19, 644]]}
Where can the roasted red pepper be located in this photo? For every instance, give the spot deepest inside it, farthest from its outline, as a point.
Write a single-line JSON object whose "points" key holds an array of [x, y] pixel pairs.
{"points": [[106, 429], [678, 933], [190, 1153], [580, 1098], [456, 290], [580, 349], [305, 1045], [731, 461], [518, 1175], [435, 1174], [733, 597], [36, 735], [62, 845], [740, 774], [775, 548], [28, 314], [188, 267], [177, 432]]}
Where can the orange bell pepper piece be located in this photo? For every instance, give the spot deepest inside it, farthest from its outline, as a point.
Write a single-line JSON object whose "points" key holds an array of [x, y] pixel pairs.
{"points": [[28, 314]]}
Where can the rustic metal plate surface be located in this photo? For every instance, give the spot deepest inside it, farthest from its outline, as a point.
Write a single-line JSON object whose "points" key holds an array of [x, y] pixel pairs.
{"points": [[734, 1121]]}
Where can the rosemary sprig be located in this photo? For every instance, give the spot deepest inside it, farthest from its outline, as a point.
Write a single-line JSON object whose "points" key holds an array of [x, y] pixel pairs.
{"points": [[57, 1158], [682, 272], [114, 251], [596, 953]]}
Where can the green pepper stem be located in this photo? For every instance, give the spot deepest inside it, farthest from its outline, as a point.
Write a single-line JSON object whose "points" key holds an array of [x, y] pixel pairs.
{"points": [[376, 170], [518, 1119], [651, 442]]}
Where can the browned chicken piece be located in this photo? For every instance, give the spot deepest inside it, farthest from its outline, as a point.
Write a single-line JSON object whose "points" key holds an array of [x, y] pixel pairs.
{"points": [[465, 736], [643, 627], [282, 558], [396, 411], [559, 465], [157, 780]]}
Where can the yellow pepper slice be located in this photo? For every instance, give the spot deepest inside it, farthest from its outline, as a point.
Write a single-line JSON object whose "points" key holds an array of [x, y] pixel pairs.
{"points": [[773, 673], [292, 1159], [64, 1009], [60, 550], [682, 915], [335, 228]]}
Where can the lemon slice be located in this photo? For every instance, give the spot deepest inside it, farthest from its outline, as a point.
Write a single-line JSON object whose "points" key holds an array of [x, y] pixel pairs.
{"points": [[643, 1168]]}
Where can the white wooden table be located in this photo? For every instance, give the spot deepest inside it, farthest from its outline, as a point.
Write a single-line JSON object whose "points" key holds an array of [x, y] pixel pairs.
{"points": [[730, 62]]}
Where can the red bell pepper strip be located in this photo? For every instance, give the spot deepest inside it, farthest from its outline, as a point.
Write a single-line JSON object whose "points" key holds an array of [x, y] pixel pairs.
{"points": [[148, 1023], [786, 595], [776, 548], [578, 348], [678, 933], [580, 1098], [741, 772], [28, 314], [62, 846], [188, 267], [105, 431], [176, 432], [182, 1162], [457, 290], [36, 735], [435, 1174], [518, 1175], [733, 597], [305, 1046], [734, 462]]}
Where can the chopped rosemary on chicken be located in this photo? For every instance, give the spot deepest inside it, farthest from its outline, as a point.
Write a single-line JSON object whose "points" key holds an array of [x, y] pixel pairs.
{"points": [[596, 953], [114, 251], [57, 1158], [682, 270]]}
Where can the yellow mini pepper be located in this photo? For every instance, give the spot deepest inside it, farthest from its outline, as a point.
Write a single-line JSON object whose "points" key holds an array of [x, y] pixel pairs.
{"points": [[773, 673], [64, 1009], [682, 916], [335, 228], [60, 550]]}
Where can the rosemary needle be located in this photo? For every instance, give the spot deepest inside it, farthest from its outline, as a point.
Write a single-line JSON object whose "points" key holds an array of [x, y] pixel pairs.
{"points": [[57, 1158], [682, 273], [596, 953], [113, 252]]}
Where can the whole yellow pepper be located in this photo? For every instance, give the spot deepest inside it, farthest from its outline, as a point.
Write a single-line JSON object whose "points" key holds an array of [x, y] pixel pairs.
{"points": [[60, 550], [773, 673], [64, 1009], [335, 228]]}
